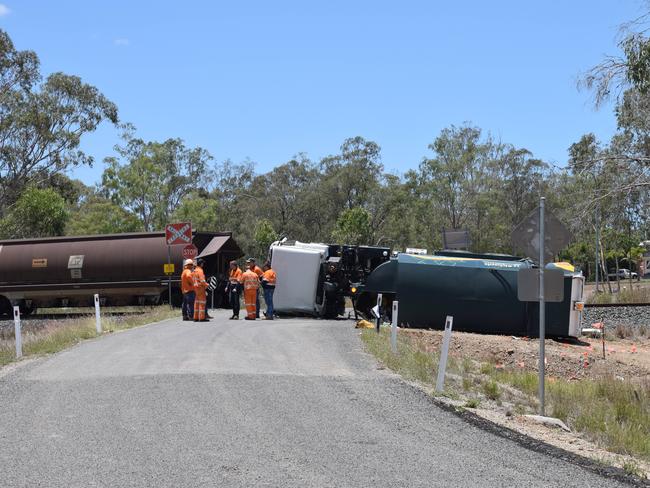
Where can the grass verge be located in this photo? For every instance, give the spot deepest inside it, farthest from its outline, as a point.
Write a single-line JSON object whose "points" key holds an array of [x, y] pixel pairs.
{"points": [[614, 414], [50, 336], [627, 294]]}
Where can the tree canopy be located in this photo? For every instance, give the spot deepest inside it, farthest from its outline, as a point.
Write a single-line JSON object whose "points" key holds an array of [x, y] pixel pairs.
{"points": [[42, 121]]}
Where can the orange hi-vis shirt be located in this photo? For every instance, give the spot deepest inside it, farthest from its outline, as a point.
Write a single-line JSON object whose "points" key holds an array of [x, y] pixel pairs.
{"points": [[235, 275], [258, 271], [187, 281], [250, 280], [200, 285], [270, 277]]}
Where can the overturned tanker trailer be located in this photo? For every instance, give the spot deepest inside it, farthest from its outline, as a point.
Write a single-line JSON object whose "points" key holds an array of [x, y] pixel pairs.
{"points": [[478, 290]]}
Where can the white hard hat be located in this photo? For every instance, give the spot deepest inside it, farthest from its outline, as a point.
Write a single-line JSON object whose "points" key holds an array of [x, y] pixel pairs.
{"points": [[187, 262]]}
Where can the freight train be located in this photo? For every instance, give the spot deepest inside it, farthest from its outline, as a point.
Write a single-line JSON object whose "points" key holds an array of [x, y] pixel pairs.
{"points": [[125, 269]]}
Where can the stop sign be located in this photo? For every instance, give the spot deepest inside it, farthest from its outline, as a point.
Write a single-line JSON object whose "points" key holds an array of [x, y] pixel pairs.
{"points": [[190, 251]]}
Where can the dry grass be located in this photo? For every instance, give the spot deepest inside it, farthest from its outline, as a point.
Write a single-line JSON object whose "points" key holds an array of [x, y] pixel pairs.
{"points": [[615, 414], [51, 336], [636, 294]]}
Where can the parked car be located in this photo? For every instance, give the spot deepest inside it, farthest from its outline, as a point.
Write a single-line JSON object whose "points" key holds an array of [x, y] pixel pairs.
{"points": [[624, 274]]}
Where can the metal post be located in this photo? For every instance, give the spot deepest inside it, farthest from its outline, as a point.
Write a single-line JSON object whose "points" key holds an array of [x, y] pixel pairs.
{"points": [[18, 333], [393, 328], [169, 277], [597, 219], [98, 320], [542, 306], [378, 312], [442, 365]]}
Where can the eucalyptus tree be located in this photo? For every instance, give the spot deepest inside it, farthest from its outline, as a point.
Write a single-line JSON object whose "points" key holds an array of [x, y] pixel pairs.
{"points": [[42, 121], [150, 179]]}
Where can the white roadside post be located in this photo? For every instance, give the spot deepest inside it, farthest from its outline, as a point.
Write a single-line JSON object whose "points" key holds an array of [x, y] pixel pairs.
{"points": [[98, 320], [18, 333], [393, 328], [442, 365]]}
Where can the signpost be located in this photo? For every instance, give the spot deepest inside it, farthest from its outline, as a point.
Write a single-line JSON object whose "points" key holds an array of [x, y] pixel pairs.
{"points": [[531, 236], [177, 234], [542, 309]]}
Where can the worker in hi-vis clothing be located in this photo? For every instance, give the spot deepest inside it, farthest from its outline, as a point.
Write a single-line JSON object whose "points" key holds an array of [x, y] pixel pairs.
{"points": [[200, 287], [269, 279], [187, 287], [258, 271], [251, 283], [233, 288]]}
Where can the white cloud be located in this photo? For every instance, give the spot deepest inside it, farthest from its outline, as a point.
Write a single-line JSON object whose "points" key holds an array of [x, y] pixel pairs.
{"points": [[4, 10], [121, 41]]}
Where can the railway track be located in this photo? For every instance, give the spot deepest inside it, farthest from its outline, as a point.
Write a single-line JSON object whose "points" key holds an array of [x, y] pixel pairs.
{"points": [[612, 305]]}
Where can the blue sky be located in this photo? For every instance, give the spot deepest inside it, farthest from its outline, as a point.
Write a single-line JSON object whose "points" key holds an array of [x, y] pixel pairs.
{"points": [[267, 80]]}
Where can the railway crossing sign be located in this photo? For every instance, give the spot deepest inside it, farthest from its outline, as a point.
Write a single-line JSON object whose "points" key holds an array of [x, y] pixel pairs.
{"points": [[178, 234], [525, 236], [190, 251]]}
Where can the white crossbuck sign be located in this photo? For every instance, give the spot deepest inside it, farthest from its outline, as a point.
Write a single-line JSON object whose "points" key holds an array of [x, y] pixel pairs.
{"points": [[178, 234]]}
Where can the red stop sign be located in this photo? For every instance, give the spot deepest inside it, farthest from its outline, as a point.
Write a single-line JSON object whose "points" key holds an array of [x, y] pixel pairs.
{"points": [[190, 251]]}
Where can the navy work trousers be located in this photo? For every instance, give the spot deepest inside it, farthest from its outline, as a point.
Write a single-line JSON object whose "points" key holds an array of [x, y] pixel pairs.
{"points": [[233, 298], [268, 298], [188, 304]]}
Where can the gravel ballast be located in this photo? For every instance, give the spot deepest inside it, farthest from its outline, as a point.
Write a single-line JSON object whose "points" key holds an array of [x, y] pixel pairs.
{"points": [[631, 316]]}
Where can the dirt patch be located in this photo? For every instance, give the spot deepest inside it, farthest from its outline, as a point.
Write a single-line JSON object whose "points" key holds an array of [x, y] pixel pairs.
{"points": [[624, 358]]}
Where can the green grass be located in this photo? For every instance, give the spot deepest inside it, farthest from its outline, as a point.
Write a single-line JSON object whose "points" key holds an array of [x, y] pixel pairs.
{"points": [[411, 361], [472, 403], [615, 414], [524, 381], [55, 336], [632, 468], [491, 390]]}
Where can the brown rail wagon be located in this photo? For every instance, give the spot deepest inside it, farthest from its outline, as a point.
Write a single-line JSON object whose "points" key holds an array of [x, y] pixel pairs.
{"points": [[125, 269]]}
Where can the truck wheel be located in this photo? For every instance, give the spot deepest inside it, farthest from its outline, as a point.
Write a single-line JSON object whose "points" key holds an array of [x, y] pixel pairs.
{"points": [[329, 310]]}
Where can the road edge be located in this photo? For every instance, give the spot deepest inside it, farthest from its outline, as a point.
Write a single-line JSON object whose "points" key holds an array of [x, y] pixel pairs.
{"points": [[531, 443]]}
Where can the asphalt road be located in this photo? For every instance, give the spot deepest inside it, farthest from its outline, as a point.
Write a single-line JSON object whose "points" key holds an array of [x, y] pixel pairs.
{"points": [[285, 403]]}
